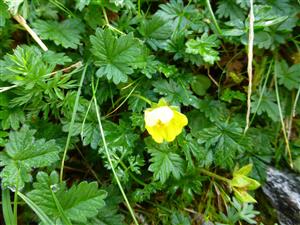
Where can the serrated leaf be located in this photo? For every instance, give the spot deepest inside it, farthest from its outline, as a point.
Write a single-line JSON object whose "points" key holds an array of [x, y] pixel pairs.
{"points": [[155, 31], [267, 105], [80, 4], [12, 118], [204, 46], [115, 56], [23, 153], [213, 109], [178, 218], [109, 214], [175, 93], [180, 15], [164, 162], [288, 76], [66, 33], [225, 140], [229, 8], [55, 58], [79, 203]]}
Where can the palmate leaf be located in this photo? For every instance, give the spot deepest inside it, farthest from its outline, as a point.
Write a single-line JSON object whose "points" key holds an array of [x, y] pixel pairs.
{"points": [[288, 76], [66, 33], [116, 57], [79, 203], [109, 215], [267, 104], [22, 153], [204, 46], [225, 141], [229, 8], [164, 162], [12, 118], [156, 31], [180, 15], [175, 93]]}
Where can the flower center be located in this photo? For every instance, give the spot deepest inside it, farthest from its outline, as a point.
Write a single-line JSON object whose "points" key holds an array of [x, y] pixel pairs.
{"points": [[159, 115]]}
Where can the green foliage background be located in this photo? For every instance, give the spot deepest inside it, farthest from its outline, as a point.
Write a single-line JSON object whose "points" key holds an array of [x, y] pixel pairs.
{"points": [[194, 54]]}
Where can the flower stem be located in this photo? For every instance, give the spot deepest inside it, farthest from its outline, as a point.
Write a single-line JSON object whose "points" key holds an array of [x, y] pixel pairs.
{"points": [[211, 174], [213, 17], [109, 158], [143, 98]]}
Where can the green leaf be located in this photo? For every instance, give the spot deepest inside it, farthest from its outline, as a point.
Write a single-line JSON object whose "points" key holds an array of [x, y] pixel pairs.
{"points": [[39, 212], [229, 95], [164, 163], [30, 72], [12, 118], [267, 105], [80, 4], [225, 140], [116, 57], [288, 76], [175, 93], [4, 13], [245, 170], [155, 31], [109, 215], [213, 109], [79, 203], [66, 33], [180, 15], [55, 58], [178, 218], [200, 84], [22, 153], [204, 46], [229, 8]]}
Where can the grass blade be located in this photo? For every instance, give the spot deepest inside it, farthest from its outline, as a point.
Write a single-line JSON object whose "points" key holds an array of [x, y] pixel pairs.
{"points": [[61, 211], [6, 208], [38, 211], [71, 124]]}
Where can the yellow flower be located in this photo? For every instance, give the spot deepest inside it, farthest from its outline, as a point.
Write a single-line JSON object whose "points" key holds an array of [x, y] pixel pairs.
{"points": [[164, 122]]}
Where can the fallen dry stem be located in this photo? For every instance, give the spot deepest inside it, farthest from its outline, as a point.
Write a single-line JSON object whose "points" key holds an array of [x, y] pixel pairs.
{"points": [[24, 24], [250, 61]]}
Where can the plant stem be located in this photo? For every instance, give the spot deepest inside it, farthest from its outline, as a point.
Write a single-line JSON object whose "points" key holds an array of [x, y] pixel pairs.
{"points": [[288, 150], [122, 103], [109, 158], [262, 92], [211, 174], [131, 174], [250, 61], [16, 206], [143, 98], [213, 17], [71, 124], [107, 22], [139, 7]]}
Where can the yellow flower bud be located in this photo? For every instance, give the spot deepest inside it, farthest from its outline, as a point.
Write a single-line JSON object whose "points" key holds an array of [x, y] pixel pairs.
{"points": [[164, 122]]}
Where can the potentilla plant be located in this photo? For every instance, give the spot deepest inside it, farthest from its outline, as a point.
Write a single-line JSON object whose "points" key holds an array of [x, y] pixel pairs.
{"points": [[146, 112]]}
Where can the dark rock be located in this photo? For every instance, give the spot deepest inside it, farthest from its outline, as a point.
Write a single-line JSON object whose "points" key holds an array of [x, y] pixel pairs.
{"points": [[283, 190]]}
